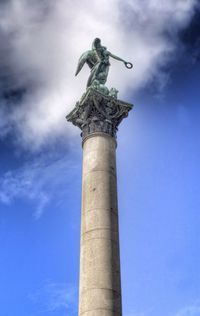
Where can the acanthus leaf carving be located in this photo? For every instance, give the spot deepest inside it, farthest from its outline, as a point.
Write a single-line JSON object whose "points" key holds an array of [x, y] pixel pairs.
{"points": [[96, 112]]}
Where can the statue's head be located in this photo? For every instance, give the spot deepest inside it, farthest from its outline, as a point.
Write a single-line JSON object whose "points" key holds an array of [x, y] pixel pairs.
{"points": [[102, 78], [95, 83], [96, 43]]}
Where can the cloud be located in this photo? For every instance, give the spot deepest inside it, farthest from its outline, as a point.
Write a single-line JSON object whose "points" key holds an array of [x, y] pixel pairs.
{"points": [[41, 180], [23, 183], [191, 310], [41, 42], [53, 296]]}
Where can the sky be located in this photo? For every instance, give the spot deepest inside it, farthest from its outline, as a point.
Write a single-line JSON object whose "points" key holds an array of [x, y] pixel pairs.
{"points": [[157, 154]]}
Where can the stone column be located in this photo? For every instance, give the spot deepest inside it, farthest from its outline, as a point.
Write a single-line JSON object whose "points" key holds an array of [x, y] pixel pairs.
{"points": [[100, 288]]}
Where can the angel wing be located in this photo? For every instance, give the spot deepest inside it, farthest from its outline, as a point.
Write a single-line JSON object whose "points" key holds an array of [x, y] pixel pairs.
{"points": [[87, 57]]}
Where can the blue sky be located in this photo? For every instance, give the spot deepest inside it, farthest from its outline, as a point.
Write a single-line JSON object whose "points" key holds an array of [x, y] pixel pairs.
{"points": [[157, 155]]}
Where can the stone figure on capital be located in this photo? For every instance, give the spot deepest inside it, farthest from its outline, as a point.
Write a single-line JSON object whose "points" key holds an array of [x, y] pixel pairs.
{"points": [[99, 109], [98, 61]]}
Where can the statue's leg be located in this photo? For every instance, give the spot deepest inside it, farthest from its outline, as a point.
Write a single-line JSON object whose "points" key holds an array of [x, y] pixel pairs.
{"points": [[106, 70], [103, 73], [93, 75]]}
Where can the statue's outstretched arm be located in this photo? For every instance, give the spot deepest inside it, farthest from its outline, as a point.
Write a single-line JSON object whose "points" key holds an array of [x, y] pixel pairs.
{"points": [[116, 57], [127, 64]]}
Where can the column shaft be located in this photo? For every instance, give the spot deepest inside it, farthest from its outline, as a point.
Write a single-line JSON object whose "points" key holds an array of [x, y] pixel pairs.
{"points": [[100, 288]]}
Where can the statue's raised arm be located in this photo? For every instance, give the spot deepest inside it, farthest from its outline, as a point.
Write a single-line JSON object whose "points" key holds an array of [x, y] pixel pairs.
{"points": [[98, 61], [126, 63]]}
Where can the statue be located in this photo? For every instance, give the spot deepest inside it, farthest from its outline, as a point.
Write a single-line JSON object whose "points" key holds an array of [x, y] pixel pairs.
{"points": [[99, 109], [98, 60]]}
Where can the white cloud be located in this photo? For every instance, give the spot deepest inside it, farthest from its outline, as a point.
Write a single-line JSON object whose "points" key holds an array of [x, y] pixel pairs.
{"points": [[4, 121], [23, 183], [39, 181], [190, 310], [46, 39], [53, 296]]}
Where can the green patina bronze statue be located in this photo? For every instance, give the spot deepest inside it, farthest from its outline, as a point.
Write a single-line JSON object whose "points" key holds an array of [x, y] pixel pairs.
{"points": [[99, 109], [98, 60]]}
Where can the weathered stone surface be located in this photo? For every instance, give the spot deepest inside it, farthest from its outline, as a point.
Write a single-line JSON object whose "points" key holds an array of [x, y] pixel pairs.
{"points": [[100, 288]]}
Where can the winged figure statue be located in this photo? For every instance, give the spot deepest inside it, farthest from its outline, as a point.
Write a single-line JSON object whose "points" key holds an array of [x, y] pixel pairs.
{"points": [[98, 61]]}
